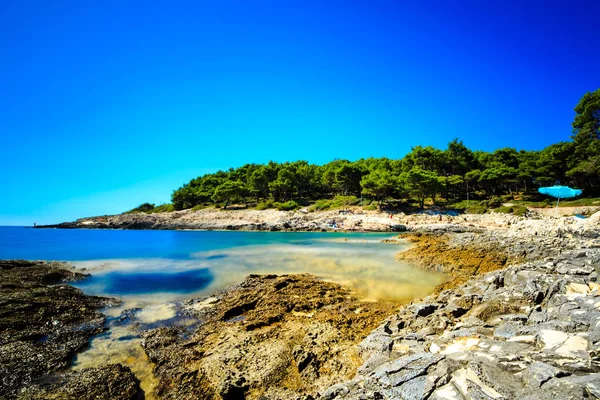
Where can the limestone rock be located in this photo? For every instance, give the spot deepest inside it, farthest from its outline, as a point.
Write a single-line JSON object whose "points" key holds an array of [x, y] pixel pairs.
{"points": [[531, 331]]}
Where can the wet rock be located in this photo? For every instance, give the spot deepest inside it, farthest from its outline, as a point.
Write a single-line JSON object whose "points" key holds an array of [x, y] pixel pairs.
{"points": [[43, 323], [110, 382]]}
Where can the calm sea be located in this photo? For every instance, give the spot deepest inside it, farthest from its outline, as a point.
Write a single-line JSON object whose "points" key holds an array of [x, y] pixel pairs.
{"points": [[159, 266]]}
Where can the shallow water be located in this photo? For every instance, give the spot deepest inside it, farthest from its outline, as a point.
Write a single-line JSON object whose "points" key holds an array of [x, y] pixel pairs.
{"points": [[150, 271], [151, 267]]}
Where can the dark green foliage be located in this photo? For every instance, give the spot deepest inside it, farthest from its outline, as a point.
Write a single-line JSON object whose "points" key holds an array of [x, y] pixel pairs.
{"points": [[425, 174], [422, 183], [520, 211], [163, 208], [516, 210], [150, 208], [476, 210], [287, 206], [586, 126], [504, 209], [584, 166], [142, 208], [228, 191], [379, 184], [264, 205], [320, 205], [335, 203]]}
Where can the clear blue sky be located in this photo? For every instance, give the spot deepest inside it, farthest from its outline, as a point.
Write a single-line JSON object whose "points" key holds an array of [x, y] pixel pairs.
{"points": [[105, 105]]}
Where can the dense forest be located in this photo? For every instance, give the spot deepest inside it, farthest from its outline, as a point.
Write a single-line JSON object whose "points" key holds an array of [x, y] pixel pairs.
{"points": [[425, 174]]}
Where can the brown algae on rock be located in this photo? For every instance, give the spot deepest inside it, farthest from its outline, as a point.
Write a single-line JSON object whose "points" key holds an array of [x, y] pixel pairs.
{"points": [[435, 253], [270, 335]]}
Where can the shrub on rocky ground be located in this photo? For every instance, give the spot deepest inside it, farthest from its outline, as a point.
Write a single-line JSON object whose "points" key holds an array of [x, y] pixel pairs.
{"points": [[504, 209], [337, 202], [494, 202], [164, 208], [287, 206], [263, 205], [476, 210], [320, 205], [520, 211]]}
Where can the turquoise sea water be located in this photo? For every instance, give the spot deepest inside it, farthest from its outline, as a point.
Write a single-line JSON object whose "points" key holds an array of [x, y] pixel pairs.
{"points": [[159, 266]]}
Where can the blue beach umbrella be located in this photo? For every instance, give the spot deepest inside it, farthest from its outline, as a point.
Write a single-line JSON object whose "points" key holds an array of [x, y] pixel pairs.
{"points": [[560, 192]]}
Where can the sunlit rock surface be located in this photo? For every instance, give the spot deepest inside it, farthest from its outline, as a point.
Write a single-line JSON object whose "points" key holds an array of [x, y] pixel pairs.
{"points": [[275, 336], [530, 331]]}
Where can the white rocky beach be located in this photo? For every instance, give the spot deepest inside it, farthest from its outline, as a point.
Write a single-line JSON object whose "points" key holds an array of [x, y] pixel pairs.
{"points": [[350, 219]]}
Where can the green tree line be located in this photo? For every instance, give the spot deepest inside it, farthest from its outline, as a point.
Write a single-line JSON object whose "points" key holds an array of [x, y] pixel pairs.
{"points": [[425, 173]]}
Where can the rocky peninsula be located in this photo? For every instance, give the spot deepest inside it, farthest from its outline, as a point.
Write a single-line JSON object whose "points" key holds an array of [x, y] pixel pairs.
{"points": [[349, 219], [518, 318], [245, 220]]}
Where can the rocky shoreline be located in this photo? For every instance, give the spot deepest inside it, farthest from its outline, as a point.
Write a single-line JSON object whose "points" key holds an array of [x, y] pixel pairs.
{"points": [[530, 330], [351, 219], [244, 220], [43, 323], [519, 318]]}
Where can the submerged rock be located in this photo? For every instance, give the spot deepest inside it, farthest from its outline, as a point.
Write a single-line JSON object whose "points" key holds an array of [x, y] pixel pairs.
{"points": [[43, 323]]}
